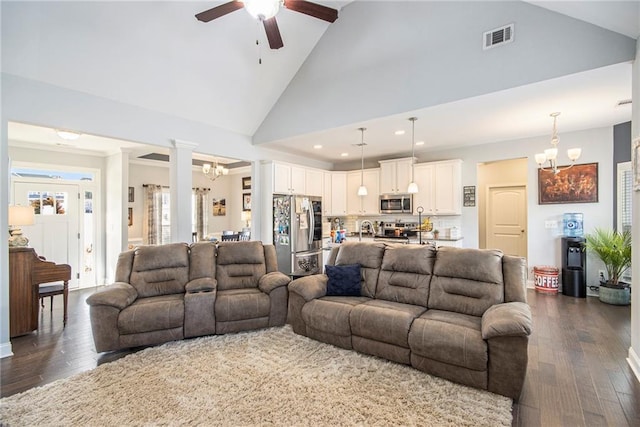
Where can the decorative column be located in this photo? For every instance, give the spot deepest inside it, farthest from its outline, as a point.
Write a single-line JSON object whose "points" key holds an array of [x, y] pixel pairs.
{"points": [[180, 183]]}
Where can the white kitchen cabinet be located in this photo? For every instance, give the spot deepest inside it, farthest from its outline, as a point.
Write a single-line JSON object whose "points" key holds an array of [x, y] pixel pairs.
{"points": [[395, 175], [290, 179], [326, 193], [439, 187], [363, 205], [338, 193], [314, 182]]}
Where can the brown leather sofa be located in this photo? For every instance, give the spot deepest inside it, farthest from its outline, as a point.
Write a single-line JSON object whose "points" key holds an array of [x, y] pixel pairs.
{"points": [[175, 291], [459, 314]]}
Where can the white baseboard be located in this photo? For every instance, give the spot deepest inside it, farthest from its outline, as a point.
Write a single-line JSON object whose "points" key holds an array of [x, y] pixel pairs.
{"points": [[634, 362], [5, 350]]}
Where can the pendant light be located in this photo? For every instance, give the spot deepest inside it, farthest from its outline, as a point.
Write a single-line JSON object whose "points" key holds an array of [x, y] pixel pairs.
{"points": [[551, 154], [413, 187], [362, 190]]}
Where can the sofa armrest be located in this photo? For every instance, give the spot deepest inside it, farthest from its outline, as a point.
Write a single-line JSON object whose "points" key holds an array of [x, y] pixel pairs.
{"points": [[310, 287], [118, 295], [512, 319], [203, 284], [273, 280]]}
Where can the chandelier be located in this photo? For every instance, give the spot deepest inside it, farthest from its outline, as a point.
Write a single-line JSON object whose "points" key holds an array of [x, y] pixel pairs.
{"points": [[551, 154], [214, 172]]}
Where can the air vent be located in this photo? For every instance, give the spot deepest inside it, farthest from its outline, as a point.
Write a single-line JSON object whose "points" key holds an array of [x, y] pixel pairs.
{"points": [[623, 102], [497, 37]]}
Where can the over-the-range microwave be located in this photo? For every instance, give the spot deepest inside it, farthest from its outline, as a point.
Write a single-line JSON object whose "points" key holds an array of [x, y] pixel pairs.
{"points": [[396, 203]]}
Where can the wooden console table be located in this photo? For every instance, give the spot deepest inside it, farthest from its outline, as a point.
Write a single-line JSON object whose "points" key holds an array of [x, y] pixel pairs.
{"points": [[26, 272]]}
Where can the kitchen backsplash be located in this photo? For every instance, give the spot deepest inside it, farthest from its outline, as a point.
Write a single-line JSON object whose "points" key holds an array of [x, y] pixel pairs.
{"points": [[441, 223]]}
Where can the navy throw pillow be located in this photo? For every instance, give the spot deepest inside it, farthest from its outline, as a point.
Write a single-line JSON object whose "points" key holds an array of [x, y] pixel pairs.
{"points": [[344, 280]]}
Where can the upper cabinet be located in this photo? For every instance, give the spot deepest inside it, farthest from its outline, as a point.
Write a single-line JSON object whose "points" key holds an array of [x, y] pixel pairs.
{"points": [[292, 179], [439, 187], [363, 205], [338, 193], [395, 175]]}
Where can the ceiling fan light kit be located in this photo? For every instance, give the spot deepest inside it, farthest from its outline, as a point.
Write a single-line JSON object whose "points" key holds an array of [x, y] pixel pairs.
{"points": [[266, 11], [551, 154]]}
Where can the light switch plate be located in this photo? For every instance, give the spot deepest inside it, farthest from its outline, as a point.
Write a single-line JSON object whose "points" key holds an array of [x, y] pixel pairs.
{"points": [[551, 224]]}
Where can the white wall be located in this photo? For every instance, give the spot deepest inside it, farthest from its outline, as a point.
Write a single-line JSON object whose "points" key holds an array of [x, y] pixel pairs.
{"points": [[543, 244]]}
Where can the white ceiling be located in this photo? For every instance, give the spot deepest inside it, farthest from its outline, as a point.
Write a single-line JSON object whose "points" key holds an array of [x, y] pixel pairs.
{"points": [[125, 51]]}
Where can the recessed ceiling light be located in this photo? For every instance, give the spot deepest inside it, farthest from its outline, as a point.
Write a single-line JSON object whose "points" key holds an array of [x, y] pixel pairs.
{"points": [[68, 134], [317, 146], [419, 142], [344, 154], [399, 132]]}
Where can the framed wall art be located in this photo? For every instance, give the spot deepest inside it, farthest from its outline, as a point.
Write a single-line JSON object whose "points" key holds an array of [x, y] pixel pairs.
{"points": [[578, 184], [246, 202], [219, 207], [246, 183], [469, 195], [131, 194]]}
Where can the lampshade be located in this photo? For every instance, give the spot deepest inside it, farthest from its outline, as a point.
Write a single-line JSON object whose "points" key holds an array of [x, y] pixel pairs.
{"points": [[21, 215], [362, 191], [262, 9]]}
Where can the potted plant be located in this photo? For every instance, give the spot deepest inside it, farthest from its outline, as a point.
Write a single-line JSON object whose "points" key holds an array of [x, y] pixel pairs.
{"points": [[436, 234], [614, 250]]}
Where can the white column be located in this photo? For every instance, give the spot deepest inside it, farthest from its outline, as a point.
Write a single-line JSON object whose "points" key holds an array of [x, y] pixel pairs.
{"points": [[117, 229], [180, 183], [634, 350]]}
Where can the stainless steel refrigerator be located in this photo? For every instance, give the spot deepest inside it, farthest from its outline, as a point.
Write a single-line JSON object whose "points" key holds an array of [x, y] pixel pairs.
{"points": [[297, 234]]}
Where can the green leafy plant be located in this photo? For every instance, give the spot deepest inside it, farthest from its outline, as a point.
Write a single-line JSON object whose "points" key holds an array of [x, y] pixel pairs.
{"points": [[614, 249]]}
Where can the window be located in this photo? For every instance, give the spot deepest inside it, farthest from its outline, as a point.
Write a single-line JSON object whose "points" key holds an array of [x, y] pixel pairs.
{"points": [[625, 188]]}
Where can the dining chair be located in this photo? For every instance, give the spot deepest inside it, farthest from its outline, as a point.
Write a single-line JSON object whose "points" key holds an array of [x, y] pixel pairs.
{"points": [[231, 237], [245, 235]]}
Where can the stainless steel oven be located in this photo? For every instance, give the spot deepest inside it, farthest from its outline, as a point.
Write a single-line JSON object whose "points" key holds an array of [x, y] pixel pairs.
{"points": [[396, 203]]}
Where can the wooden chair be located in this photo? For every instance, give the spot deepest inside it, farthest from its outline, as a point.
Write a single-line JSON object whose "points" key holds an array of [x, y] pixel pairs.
{"points": [[231, 237]]}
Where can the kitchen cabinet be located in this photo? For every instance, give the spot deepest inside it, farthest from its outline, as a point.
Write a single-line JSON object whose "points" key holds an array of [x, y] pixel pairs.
{"points": [[439, 187], [288, 179], [314, 182], [338, 193], [363, 205], [395, 175], [326, 193]]}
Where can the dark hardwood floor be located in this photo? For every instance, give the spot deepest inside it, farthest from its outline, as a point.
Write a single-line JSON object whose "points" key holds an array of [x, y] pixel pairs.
{"points": [[578, 374]]}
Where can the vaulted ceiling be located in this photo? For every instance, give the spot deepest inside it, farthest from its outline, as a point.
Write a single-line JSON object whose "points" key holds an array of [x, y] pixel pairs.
{"points": [[379, 63]]}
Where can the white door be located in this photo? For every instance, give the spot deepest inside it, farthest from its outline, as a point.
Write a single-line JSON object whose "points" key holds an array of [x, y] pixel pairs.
{"points": [[55, 234], [507, 220]]}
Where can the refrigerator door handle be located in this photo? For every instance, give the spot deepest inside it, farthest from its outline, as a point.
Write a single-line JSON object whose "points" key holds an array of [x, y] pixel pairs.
{"points": [[312, 226]]}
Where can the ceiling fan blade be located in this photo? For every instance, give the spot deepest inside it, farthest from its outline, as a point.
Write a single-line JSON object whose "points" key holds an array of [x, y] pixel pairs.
{"points": [[312, 9], [273, 33], [218, 11]]}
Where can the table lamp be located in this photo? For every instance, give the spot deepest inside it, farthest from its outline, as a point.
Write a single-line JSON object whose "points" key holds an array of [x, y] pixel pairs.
{"points": [[246, 216], [19, 216]]}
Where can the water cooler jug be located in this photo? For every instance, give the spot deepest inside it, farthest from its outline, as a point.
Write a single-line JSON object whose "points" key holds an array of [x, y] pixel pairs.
{"points": [[574, 267]]}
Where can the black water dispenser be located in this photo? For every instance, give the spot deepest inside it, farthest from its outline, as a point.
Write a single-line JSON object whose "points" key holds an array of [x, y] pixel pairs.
{"points": [[574, 267]]}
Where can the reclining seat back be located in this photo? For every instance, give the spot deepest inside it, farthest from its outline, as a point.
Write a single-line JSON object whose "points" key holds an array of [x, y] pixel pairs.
{"points": [[159, 275], [240, 305], [369, 256], [160, 270], [467, 281], [406, 273]]}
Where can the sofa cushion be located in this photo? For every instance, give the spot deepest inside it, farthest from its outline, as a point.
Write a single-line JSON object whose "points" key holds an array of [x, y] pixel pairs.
{"points": [[152, 314], [384, 321], [406, 273], [369, 256], [160, 270], [202, 260], [343, 280], [240, 304], [331, 314], [240, 265], [466, 281], [452, 338]]}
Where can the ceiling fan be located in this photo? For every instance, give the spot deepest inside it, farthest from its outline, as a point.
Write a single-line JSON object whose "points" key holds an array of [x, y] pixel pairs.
{"points": [[266, 10]]}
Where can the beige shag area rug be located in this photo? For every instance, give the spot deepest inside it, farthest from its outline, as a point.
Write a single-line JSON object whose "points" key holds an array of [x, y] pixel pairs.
{"points": [[267, 377]]}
